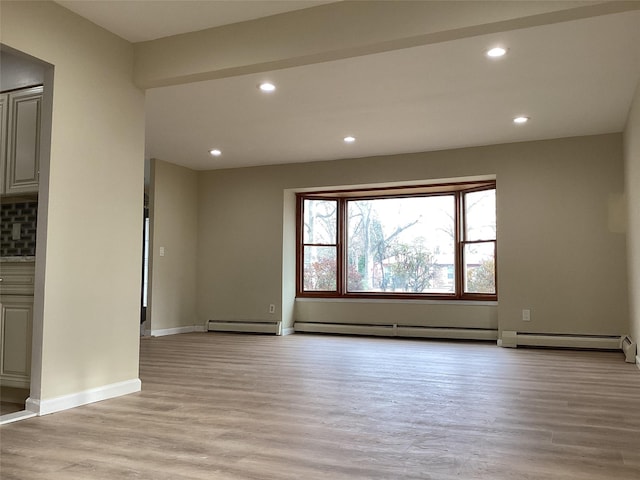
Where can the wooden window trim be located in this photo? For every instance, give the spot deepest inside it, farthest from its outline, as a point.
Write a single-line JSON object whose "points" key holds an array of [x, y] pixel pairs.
{"points": [[343, 196]]}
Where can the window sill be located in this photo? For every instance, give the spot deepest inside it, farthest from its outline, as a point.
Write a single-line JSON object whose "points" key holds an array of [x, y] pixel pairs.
{"points": [[486, 303]]}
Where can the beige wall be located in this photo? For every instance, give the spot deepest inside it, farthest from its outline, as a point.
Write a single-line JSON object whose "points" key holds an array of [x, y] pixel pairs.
{"points": [[174, 226], [632, 177], [86, 324], [239, 245], [556, 253]]}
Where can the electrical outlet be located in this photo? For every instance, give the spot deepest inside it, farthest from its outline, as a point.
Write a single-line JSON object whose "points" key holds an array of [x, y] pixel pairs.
{"points": [[16, 231], [526, 315], [272, 308]]}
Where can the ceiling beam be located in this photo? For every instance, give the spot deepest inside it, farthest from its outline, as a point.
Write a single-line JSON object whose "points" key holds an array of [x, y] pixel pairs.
{"points": [[341, 30]]}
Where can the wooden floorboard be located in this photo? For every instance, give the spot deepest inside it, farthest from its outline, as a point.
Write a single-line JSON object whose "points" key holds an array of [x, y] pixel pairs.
{"points": [[231, 407]]}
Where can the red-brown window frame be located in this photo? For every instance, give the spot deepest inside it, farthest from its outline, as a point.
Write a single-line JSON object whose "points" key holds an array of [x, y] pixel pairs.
{"points": [[458, 190], [461, 242]]}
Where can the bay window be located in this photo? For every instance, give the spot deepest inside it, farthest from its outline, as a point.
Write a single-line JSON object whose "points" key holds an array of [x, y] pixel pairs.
{"points": [[435, 241]]}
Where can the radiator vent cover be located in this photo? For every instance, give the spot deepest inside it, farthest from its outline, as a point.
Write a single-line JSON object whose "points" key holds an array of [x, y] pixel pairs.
{"points": [[629, 349], [251, 326], [600, 342], [396, 330]]}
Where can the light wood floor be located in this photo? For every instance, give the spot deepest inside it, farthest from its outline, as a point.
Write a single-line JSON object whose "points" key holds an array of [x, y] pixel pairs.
{"points": [[218, 406]]}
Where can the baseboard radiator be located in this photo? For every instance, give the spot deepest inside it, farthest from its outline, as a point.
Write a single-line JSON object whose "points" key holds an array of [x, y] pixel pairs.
{"points": [[395, 330], [569, 341], [257, 326], [598, 342], [629, 349]]}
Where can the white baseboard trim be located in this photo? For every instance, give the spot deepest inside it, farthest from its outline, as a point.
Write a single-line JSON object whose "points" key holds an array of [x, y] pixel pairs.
{"points": [[288, 331], [638, 361], [200, 328], [65, 402], [173, 331]]}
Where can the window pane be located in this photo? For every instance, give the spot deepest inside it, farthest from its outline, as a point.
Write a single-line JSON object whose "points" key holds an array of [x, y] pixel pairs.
{"points": [[320, 269], [480, 211], [320, 221], [401, 245], [479, 268]]}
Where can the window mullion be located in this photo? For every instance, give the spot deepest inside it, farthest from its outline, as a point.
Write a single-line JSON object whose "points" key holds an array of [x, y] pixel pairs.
{"points": [[299, 245], [459, 229], [495, 265], [472, 242], [341, 246]]}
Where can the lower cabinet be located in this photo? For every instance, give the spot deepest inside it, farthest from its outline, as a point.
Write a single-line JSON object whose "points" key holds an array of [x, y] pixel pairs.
{"points": [[15, 340]]}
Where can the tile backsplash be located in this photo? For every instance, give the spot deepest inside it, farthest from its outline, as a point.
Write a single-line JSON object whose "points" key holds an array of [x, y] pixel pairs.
{"points": [[24, 214]]}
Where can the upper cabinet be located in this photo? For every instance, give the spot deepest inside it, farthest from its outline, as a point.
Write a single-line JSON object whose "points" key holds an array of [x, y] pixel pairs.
{"points": [[20, 116], [4, 113]]}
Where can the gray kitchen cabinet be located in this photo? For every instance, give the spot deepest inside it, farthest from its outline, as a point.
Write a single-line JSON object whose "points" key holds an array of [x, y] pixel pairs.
{"points": [[21, 140], [16, 323], [15, 333], [4, 110]]}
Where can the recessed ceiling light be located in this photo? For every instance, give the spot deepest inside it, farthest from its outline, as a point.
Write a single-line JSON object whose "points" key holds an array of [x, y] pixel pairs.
{"points": [[520, 120], [267, 87], [496, 52], [349, 139], [215, 152]]}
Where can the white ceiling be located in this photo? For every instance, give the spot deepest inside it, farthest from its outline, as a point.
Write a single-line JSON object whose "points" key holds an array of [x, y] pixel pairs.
{"points": [[141, 20], [571, 78]]}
